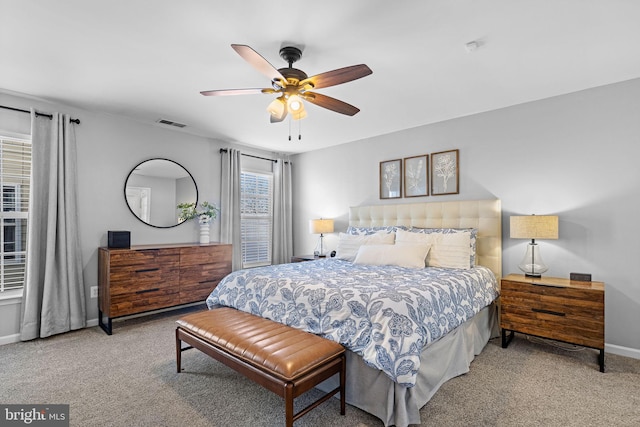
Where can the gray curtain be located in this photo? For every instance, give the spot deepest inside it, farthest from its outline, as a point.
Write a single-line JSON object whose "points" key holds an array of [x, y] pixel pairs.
{"points": [[53, 300], [230, 203], [282, 248]]}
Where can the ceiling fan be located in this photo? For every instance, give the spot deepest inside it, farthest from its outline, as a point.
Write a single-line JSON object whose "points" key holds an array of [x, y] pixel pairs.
{"points": [[293, 85]]}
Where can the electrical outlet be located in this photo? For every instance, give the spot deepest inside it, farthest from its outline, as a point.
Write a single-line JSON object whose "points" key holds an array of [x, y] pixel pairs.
{"points": [[94, 292]]}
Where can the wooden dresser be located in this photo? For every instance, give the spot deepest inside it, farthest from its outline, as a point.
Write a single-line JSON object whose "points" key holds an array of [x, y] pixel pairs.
{"points": [[150, 277], [549, 307]]}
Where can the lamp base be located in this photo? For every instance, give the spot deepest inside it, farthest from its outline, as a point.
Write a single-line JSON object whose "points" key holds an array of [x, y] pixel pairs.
{"points": [[532, 264], [319, 250]]}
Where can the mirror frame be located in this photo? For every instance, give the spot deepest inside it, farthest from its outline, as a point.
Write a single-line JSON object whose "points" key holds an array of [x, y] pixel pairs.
{"points": [[127, 202]]}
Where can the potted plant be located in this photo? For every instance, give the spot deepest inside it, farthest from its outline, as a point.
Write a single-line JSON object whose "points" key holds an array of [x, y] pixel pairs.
{"points": [[207, 213]]}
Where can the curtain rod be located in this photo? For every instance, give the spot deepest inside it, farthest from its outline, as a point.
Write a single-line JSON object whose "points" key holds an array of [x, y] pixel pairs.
{"points": [[76, 121], [224, 150]]}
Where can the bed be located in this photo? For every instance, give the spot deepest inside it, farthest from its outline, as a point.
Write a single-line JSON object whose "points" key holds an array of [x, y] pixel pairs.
{"points": [[407, 329]]}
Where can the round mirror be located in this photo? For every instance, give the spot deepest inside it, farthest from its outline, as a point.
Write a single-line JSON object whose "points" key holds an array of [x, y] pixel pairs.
{"points": [[155, 187]]}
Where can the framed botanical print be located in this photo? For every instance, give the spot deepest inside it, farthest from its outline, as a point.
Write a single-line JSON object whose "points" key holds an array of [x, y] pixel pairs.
{"points": [[391, 179], [416, 176], [445, 174]]}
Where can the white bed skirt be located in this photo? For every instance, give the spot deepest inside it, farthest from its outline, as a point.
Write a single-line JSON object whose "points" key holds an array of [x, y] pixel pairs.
{"points": [[374, 392]]}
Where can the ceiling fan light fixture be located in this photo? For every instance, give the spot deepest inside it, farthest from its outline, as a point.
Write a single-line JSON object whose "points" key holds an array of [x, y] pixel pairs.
{"points": [[295, 85], [300, 114], [277, 108], [295, 103]]}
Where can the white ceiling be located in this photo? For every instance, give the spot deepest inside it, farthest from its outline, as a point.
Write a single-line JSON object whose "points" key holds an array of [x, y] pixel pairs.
{"points": [[150, 59]]}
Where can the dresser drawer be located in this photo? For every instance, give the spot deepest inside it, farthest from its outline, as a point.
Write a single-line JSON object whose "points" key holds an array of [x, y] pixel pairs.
{"points": [[203, 255], [142, 300], [147, 258], [135, 280]]}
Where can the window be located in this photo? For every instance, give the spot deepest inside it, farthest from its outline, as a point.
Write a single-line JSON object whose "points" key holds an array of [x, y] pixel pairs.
{"points": [[256, 218], [15, 171]]}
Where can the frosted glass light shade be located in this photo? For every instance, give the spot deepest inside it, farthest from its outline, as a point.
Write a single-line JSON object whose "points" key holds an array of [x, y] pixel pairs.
{"points": [[277, 108], [296, 108]]}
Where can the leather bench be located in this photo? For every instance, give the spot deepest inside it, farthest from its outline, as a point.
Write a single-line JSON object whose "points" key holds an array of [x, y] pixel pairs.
{"points": [[282, 359]]}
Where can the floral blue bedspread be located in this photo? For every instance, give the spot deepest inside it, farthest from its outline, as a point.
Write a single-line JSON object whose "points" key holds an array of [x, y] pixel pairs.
{"points": [[385, 314]]}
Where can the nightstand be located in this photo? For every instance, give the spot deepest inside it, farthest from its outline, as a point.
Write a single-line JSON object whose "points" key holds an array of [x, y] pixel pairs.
{"points": [[301, 258], [559, 309]]}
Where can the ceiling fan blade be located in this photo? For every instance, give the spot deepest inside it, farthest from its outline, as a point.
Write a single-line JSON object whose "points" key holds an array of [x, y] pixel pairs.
{"points": [[257, 61], [227, 92], [336, 77], [330, 103]]}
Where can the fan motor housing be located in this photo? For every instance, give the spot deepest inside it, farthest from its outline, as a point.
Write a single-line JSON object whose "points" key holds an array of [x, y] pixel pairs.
{"points": [[293, 73]]}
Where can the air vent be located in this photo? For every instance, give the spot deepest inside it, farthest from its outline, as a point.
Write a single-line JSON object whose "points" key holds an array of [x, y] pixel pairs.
{"points": [[170, 123]]}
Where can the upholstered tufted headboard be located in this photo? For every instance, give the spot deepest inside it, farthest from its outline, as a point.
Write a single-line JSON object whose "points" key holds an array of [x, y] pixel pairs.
{"points": [[485, 215]]}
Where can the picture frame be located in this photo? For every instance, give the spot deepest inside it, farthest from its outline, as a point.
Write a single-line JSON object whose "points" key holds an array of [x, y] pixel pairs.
{"points": [[416, 176], [445, 173], [391, 179]]}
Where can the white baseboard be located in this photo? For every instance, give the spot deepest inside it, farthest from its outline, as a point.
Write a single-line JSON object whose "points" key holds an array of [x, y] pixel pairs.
{"points": [[622, 351], [8, 339]]}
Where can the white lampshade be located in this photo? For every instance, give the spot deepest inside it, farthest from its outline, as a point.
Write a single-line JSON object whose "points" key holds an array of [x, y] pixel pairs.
{"points": [[320, 226], [534, 227]]}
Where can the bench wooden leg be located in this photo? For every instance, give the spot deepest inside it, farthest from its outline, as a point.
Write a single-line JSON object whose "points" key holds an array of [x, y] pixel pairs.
{"points": [[288, 405], [343, 382], [178, 352]]}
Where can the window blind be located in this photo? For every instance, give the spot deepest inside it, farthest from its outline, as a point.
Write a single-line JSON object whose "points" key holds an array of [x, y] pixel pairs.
{"points": [[256, 217], [15, 181]]}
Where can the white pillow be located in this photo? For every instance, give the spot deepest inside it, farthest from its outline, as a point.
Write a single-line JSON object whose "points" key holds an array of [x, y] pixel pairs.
{"points": [[447, 250], [349, 244], [404, 255]]}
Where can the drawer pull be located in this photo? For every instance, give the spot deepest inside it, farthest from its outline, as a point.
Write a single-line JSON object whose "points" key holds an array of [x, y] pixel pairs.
{"points": [[146, 270], [207, 281], [147, 290], [555, 313]]}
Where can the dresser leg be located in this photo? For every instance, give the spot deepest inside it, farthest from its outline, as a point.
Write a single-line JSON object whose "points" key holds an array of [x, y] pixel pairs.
{"points": [[506, 340], [108, 327], [601, 360]]}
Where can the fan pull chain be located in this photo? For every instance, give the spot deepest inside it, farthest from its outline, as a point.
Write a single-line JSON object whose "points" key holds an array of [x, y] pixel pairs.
{"points": [[299, 130], [289, 128]]}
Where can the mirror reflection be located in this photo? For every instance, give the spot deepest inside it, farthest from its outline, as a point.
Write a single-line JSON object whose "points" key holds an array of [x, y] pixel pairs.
{"points": [[155, 187]]}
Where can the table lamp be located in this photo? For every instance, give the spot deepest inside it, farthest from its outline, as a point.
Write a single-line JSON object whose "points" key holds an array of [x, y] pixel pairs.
{"points": [[320, 226], [533, 227]]}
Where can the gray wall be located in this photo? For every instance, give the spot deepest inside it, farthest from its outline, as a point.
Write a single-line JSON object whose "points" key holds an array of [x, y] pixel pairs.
{"points": [[574, 156], [108, 148]]}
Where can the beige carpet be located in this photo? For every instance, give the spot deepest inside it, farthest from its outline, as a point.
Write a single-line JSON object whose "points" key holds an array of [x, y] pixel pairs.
{"points": [[129, 379]]}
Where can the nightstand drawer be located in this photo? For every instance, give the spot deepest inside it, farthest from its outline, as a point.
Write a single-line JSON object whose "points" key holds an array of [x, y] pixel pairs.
{"points": [[567, 302]]}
